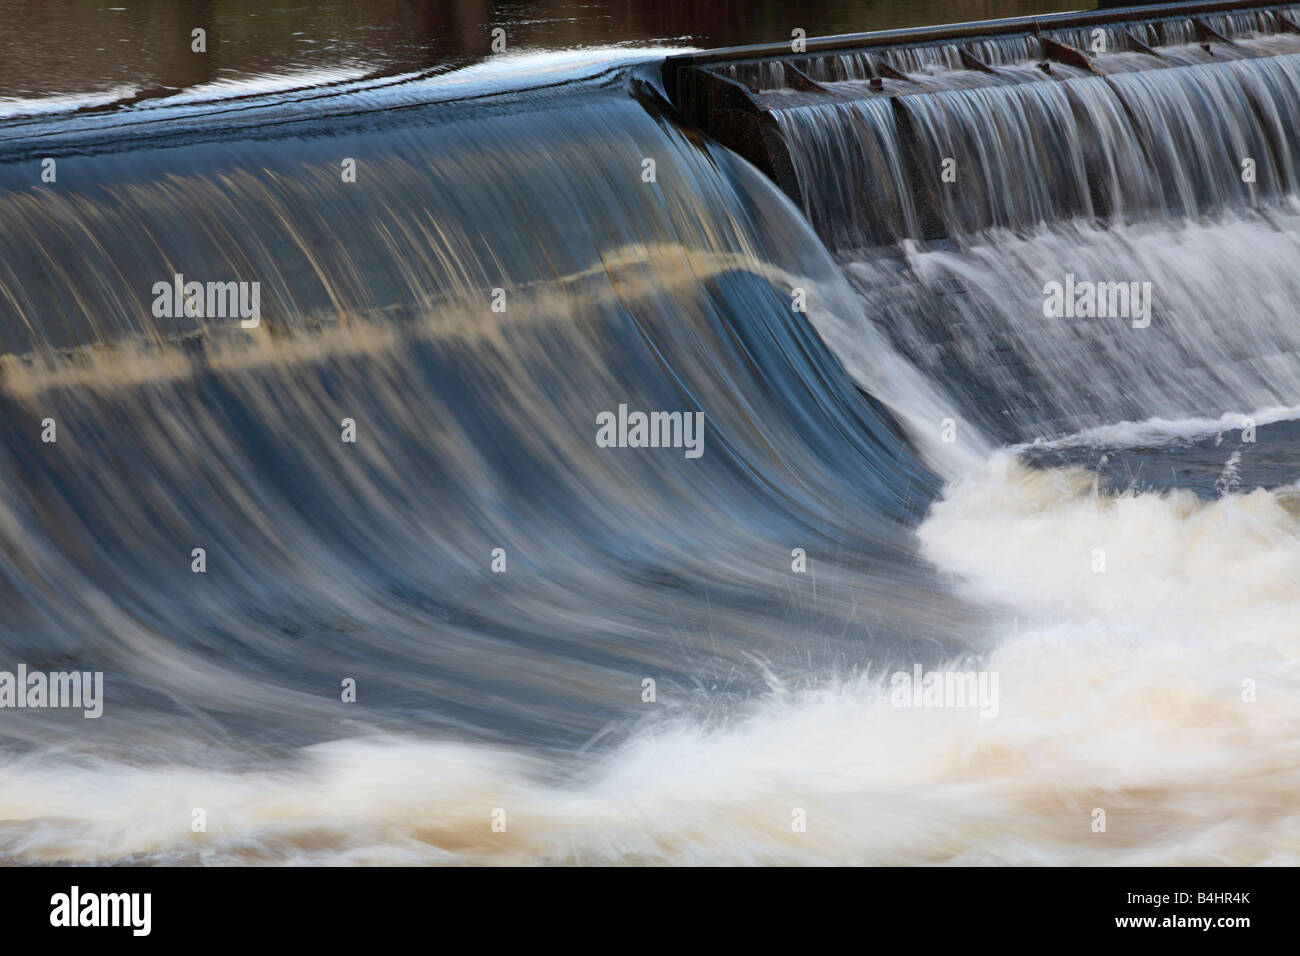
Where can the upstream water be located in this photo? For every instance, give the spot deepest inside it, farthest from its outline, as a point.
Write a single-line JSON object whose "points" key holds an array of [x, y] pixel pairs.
{"points": [[945, 461]]}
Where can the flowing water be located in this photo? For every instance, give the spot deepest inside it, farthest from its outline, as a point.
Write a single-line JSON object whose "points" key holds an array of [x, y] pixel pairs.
{"points": [[921, 469]]}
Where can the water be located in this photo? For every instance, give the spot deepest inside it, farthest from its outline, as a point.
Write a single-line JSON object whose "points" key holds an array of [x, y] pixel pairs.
{"points": [[140, 50], [1104, 515]]}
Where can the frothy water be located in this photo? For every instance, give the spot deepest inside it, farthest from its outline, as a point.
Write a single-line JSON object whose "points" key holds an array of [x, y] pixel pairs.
{"points": [[1110, 699], [1143, 636]]}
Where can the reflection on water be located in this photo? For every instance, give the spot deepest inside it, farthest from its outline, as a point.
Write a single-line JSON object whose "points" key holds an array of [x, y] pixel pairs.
{"points": [[133, 46]]}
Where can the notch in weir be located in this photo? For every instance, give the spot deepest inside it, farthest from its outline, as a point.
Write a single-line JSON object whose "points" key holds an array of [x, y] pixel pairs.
{"points": [[799, 80], [1139, 46], [1207, 34], [883, 68], [972, 62], [1284, 23]]}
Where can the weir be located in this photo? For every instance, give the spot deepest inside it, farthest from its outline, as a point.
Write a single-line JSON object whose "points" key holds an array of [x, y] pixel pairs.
{"points": [[750, 98], [457, 554], [957, 172]]}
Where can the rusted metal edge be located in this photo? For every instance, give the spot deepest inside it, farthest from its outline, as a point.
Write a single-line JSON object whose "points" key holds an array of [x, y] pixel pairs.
{"points": [[1063, 53]]}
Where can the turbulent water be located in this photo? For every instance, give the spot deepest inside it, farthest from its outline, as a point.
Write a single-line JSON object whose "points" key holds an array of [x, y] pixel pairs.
{"points": [[920, 469]]}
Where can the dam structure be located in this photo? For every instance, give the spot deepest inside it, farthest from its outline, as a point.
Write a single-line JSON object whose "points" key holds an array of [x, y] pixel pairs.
{"points": [[978, 135], [593, 436]]}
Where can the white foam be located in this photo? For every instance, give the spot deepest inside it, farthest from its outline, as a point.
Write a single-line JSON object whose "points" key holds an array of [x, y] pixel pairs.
{"points": [[525, 69], [1121, 690], [1161, 431], [11, 106]]}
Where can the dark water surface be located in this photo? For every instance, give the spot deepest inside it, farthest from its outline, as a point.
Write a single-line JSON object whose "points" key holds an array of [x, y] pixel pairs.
{"points": [[144, 46]]}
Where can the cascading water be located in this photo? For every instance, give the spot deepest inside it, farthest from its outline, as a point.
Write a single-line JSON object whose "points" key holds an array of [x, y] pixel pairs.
{"points": [[1123, 177], [500, 587]]}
